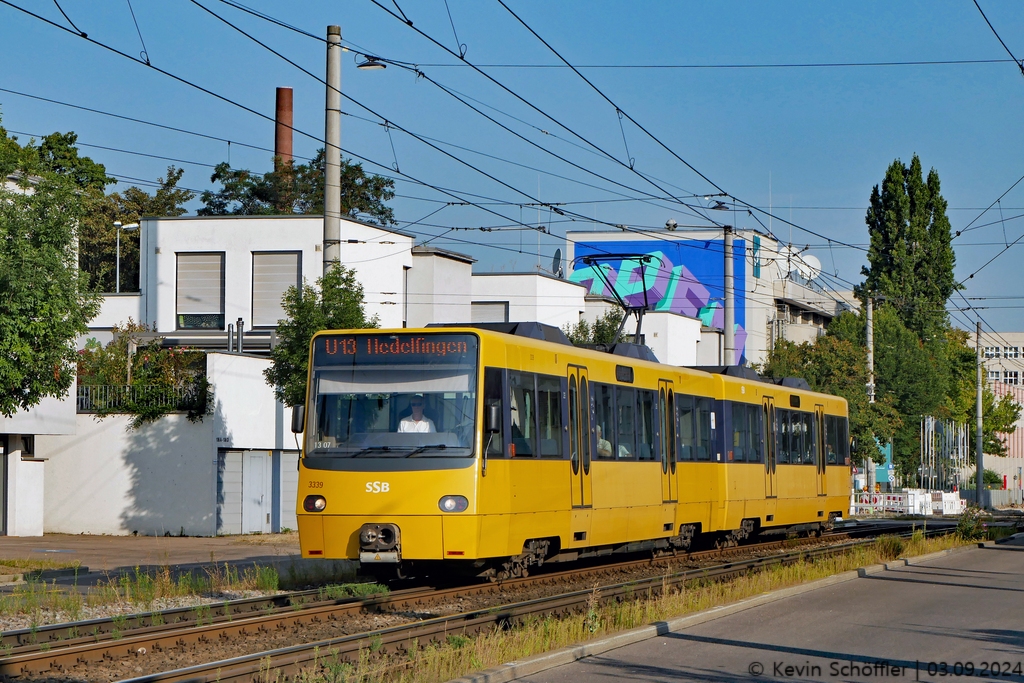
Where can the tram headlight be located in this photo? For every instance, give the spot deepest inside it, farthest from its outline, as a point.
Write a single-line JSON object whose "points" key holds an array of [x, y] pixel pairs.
{"points": [[314, 504], [453, 504]]}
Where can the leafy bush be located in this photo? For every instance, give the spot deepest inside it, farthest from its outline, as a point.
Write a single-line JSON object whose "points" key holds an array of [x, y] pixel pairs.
{"points": [[143, 379], [971, 525]]}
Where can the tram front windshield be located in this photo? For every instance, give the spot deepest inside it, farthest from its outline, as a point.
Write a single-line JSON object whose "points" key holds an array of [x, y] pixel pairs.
{"points": [[393, 396]]}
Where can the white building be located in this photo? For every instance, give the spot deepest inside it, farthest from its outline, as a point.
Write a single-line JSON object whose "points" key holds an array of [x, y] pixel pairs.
{"points": [[777, 290], [199, 275], [517, 297]]}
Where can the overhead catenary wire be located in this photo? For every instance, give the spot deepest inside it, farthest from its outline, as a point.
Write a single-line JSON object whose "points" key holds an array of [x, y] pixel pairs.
{"points": [[1020, 64], [228, 100], [518, 97], [398, 127], [388, 123], [653, 137]]}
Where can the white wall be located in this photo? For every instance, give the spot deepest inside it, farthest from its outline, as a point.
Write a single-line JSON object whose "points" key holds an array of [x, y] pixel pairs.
{"points": [[25, 477], [439, 289], [711, 348], [116, 309], [246, 414], [673, 338], [378, 257], [532, 297], [105, 479], [50, 416]]}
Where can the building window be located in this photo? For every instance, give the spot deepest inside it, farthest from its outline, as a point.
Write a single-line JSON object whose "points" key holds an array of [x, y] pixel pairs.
{"points": [[199, 291], [1011, 377], [991, 352], [993, 375], [272, 274], [489, 312], [1011, 352]]}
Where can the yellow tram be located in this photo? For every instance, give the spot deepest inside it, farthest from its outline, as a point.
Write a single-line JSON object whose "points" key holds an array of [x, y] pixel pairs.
{"points": [[492, 448]]}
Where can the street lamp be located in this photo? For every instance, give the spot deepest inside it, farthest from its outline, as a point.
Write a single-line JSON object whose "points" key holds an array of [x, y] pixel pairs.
{"points": [[130, 226]]}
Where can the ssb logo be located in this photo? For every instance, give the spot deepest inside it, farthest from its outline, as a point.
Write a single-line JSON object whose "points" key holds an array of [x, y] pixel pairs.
{"points": [[377, 487]]}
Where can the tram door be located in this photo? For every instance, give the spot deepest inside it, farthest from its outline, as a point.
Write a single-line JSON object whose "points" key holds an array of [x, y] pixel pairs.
{"points": [[667, 409], [819, 449], [770, 484], [580, 437]]}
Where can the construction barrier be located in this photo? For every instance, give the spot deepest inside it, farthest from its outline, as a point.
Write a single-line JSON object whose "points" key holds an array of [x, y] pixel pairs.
{"points": [[909, 502]]}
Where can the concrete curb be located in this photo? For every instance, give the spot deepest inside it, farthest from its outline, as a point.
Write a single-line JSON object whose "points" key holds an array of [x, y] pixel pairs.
{"points": [[567, 655]]}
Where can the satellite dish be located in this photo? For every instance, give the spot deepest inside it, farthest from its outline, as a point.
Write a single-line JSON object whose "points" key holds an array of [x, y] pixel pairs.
{"points": [[811, 266], [556, 263]]}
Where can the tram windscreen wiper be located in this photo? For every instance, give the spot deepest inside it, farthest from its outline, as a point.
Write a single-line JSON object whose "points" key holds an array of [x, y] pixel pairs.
{"points": [[372, 449], [438, 446]]}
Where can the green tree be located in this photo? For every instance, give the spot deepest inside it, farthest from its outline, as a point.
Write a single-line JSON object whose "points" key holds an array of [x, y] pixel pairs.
{"points": [[298, 189], [603, 330], [98, 236], [55, 155], [44, 301], [910, 258], [336, 303]]}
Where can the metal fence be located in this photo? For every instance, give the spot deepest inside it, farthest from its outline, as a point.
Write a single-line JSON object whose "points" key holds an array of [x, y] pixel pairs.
{"points": [[945, 453], [111, 398], [994, 498]]}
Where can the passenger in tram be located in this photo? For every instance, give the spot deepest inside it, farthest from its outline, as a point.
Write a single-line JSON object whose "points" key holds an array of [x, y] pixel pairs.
{"points": [[604, 446], [417, 421]]}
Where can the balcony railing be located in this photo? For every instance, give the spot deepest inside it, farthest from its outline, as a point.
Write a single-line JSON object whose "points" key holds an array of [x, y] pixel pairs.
{"points": [[112, 398]]}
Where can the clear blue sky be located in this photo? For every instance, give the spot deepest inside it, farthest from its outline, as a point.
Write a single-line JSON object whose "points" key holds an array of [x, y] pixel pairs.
{"points": [[821, 136]]}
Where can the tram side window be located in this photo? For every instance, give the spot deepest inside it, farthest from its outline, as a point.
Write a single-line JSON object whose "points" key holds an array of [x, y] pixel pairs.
{"points": [[757, 431], [687, 434], [797, 438], [625, 404], [831, 439], [746, 421], [782, 435], [646, 426], [705, 435], [524, 414], [809, 445], [844, 439], [604, 411], [549, 411], [492, 396], [740, 436]]}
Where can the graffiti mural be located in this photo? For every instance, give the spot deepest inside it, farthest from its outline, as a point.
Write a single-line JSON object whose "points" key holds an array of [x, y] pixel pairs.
{"points": [[686, 276]]}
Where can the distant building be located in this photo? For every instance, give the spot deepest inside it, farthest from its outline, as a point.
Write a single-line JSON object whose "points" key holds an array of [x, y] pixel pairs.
{"points": [[777, 290]]}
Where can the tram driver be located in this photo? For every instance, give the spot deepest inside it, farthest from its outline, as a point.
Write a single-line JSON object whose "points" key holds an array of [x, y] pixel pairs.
{"points": [[417, 421]]}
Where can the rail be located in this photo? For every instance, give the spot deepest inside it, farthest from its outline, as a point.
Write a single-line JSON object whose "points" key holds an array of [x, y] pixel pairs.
{"points": [[62, 646]]}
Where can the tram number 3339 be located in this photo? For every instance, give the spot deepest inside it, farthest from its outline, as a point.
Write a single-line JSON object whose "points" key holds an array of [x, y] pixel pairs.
{"points": [[377, 487]]}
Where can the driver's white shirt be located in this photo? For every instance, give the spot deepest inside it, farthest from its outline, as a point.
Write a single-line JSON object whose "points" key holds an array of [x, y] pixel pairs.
{"points": [[408, 424]]}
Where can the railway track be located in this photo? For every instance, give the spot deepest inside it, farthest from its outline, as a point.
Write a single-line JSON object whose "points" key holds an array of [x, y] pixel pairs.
{"points": [[63, 647]]}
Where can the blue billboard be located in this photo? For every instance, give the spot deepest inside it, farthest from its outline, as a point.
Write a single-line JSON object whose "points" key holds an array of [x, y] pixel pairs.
{"points": [[685, 276]]}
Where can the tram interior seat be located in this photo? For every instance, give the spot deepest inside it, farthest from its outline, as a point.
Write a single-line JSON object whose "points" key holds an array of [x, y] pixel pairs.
{"points": [[549, 447]]}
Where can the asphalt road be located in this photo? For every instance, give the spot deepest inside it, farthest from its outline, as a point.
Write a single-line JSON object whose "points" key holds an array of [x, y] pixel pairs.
{"points": [[955, 618]]}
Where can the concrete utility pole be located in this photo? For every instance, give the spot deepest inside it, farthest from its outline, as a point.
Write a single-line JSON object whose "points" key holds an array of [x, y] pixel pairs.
{"points": [[332, 152], [979, 441], [871, 349], [730, 305]]}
